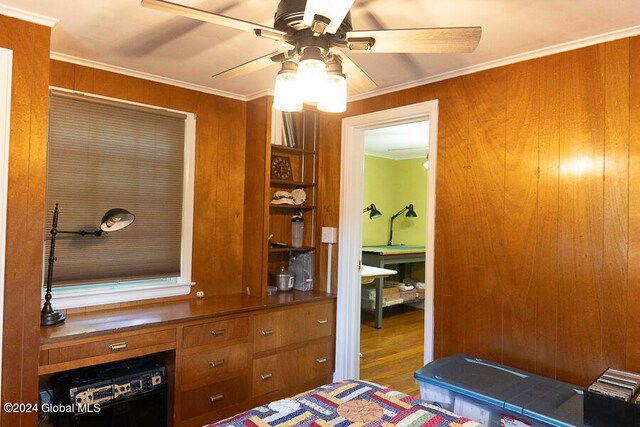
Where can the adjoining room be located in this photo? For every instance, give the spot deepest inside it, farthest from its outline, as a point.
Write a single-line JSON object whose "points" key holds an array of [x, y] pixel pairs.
{"points": [[394, 240]]}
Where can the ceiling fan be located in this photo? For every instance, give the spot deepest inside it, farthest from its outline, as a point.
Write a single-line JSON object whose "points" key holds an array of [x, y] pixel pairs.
{"points": [[318, 32]]}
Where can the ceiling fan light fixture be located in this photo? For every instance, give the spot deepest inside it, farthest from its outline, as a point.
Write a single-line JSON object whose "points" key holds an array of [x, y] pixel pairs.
{"points": [[312, 74], [287, 96], [333, 98]]}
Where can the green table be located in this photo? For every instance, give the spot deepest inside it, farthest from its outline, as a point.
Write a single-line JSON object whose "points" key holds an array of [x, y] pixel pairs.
{"points": [[379, 256]]}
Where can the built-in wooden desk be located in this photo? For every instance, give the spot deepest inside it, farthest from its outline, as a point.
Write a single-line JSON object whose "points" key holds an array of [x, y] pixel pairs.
{"points": [[222, 354]]}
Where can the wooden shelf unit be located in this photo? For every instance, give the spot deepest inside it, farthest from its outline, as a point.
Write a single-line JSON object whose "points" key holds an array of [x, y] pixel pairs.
{"points": [[304, 164]]}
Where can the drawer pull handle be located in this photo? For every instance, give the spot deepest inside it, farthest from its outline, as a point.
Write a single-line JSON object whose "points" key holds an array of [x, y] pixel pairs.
{"points": [[218, 333], [265, 377], [118, 346], [217, 363], [216, 398], [322, 321], [321, 360], [266, 332]]}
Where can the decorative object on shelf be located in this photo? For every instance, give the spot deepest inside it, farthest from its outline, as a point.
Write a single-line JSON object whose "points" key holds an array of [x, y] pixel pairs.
{"points": [[282, 197], [301, 263], [299, 196], [114, 220], [297, 231], [281, 168], [283, 280], [375, 213], [410, 214]]}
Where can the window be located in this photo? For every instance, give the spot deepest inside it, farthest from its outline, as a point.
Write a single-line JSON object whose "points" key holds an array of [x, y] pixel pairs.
{"points": [[104, 154]]}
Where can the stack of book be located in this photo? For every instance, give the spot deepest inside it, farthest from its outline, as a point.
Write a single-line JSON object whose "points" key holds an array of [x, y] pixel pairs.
{"points": [[289, 130], [618, 385]]}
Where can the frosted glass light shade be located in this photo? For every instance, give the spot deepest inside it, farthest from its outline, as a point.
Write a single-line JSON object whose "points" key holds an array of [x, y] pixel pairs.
{"points": [[287, 95], [312, 74], [333, 98]]}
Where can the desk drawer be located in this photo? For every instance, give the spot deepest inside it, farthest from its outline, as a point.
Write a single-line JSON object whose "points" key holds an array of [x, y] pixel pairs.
{"points": [[278, 329], [211, 365], [108, 346], [316, 360], [216, 332], [293, 367], [272, 373], [281, 328], [214, 398], [320, 319]]}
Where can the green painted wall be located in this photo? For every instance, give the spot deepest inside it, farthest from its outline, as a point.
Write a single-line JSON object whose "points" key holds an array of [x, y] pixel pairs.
{"points": [[391, 185]]}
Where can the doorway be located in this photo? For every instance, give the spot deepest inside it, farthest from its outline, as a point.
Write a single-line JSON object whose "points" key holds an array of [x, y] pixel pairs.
{"points": [[393, 254], [348, 334]]}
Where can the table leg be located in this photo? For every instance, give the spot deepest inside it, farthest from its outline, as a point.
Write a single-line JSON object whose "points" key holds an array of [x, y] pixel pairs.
{"points": [[378, 318]]}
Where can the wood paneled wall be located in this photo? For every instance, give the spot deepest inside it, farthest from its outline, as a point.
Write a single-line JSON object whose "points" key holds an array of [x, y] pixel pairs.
{"points": [[27, 166], [256, 202], [538, 210], [220, 157]]}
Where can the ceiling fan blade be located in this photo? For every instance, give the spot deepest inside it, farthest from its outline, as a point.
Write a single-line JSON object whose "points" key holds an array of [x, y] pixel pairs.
{"points": [[213, 18], [419, 40], [357, 79], [335, 10], [254, 65]]}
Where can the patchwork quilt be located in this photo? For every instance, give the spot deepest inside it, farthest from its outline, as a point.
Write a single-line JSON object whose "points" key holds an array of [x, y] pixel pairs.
{"points": [[348, 403]]}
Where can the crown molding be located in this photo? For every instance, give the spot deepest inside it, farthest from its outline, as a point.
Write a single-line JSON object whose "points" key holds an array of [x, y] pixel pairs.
{"points": [[551, 50], [25, 15], [259, 94], [142, 75], [539, 53]]}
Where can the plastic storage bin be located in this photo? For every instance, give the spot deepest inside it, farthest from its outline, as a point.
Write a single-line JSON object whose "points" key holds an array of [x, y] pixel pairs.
{"points": [[498, 396]]}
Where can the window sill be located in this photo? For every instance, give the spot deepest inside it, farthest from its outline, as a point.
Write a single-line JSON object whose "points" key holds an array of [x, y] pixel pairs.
{"points": [[113, 294]]}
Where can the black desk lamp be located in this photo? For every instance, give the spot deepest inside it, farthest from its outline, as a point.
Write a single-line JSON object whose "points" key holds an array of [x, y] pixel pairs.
{"points": [[375, 213], [410, 214], [113, 220]]}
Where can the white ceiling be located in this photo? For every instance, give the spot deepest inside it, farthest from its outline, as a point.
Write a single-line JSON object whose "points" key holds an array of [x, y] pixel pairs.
{"points": [[122, 33], [400, 142]]}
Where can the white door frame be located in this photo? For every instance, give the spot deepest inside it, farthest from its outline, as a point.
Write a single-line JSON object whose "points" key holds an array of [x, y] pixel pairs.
{"points": [[6, 61], [350, 238]]}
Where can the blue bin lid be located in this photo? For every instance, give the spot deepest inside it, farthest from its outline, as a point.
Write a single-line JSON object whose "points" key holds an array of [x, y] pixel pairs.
{"points": [[543, 399]]}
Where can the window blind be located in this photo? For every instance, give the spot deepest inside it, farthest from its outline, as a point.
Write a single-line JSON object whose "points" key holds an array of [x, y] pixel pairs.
{"points": [[103, 155]]}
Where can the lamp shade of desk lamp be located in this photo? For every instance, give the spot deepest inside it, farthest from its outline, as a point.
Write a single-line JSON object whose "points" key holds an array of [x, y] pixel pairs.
{"points": [[113, 220], [116, 219], [375, 213]]}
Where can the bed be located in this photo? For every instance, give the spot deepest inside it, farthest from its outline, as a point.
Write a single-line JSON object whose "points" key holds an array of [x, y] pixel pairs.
{"points": [[348, 403]]}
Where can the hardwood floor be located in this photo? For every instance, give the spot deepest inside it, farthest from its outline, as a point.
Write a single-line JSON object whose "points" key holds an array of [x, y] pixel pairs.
{"points": [[390, 355]]}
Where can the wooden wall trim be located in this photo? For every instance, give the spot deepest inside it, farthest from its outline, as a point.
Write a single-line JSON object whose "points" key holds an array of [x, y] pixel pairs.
{"points": [[25, 206], [256, 203]]}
